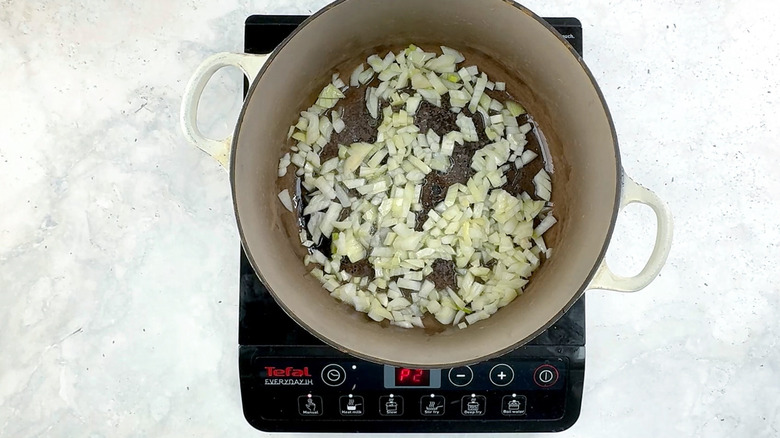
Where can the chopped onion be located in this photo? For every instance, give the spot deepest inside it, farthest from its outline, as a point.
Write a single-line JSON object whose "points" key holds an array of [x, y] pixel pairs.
{"points": [[514, 108], [464, 75], [431, 96], [442, 64], [458, 57], [479, 89], [496, 106], [467, 128], [354, 79], [542, 185], [409, 284], [284, 196], [326, 128], [527, 157], [436, 83], [398, 303], [366, 76], [330, 96], [313, 128], [459, 98], [372, 102], [357, 152], [445, 315], [283, 163], [476, 223], [545, 225], [375, 62], [338, 123]]}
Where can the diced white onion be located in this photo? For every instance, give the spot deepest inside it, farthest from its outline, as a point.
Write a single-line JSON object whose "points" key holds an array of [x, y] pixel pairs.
{"points": [[366, 76], [372, 102], [284, 196], [479, 89], [313, 128], [476, 222], [514, 108], [527, 156], [545, 225], [338, 125], [542, 185], [284, 162], [354, 80], [457, 56]]}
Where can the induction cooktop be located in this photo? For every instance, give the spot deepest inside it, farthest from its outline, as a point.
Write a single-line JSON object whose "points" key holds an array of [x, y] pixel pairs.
{"points": [[293, 382]]}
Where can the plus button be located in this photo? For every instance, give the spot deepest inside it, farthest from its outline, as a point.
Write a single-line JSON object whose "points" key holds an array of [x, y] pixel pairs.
{"points": [[501, 375]]}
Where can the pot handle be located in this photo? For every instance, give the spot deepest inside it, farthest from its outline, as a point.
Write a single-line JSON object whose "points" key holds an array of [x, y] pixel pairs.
{"points": [[605, 278], [250, 65]]}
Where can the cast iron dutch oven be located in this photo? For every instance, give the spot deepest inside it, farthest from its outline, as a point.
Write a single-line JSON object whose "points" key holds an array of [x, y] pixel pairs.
{"points": [[540, 69]]}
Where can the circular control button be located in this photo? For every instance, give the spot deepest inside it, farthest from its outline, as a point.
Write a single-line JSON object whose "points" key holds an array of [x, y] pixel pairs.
{"points": [[461, 376], [502, 374], [333, 375], [546, 376]]}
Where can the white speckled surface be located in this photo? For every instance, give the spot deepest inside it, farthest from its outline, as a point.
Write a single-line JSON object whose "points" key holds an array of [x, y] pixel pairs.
{"points": [[119, 251]]}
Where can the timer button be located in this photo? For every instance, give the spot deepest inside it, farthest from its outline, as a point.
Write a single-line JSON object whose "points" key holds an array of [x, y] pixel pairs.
{"points": [[546, 376], [501, 374], [461, 376], [333, 375]]}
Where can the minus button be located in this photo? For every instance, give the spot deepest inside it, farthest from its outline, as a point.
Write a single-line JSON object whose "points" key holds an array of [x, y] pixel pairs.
{"points": [[461, 376]]}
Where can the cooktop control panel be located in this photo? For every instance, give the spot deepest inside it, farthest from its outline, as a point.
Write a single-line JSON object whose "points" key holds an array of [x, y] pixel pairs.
{"points": [[321, 392], [303, 388]]}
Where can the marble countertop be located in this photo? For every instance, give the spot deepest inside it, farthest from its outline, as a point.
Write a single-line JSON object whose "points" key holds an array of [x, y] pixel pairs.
{"points": [[119, 250]]}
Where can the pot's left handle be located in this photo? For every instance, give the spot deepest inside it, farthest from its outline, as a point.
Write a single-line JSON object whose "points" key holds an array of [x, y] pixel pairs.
{"points": [[250, 65]]}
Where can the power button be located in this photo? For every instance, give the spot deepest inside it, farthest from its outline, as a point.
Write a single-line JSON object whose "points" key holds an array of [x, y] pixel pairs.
{"points": [[546, 376]]}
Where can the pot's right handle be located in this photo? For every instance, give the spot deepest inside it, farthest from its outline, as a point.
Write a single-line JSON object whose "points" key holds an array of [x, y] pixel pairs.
{"points": [[605, 278], [250, 65]]}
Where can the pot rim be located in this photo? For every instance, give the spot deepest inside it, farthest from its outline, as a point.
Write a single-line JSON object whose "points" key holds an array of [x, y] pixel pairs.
{"points": [[596, 263]]}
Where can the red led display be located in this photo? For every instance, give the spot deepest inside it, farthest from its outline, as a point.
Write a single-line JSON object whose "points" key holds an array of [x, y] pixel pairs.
{"points": [[412, 377]]}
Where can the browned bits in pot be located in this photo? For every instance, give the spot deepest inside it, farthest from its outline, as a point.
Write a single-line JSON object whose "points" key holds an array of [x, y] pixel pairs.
{"points": [[360, 126], [440, 119], [345, 213], [331, 150], [361, 268], [443, 275]]}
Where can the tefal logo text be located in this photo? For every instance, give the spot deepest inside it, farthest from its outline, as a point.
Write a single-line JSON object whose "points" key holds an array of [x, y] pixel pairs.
{"points": [[287, 372]]}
